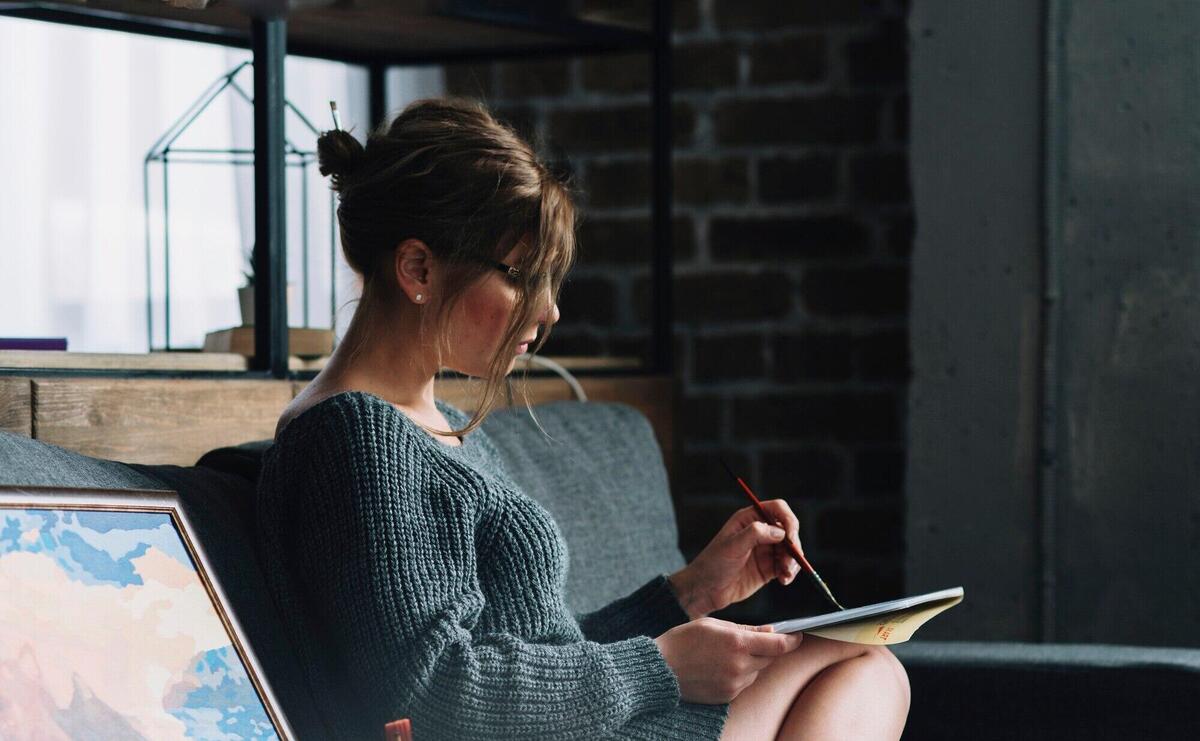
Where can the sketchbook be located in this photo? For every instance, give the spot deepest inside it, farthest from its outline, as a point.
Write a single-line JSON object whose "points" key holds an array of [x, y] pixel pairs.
{"points": [[883, 623]]}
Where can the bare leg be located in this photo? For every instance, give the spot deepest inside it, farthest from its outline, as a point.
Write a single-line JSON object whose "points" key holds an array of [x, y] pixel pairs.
{"points": [[824, 689], [864, 697]]}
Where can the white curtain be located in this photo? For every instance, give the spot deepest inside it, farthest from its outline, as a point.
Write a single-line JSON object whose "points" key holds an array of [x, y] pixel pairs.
{"points": [[79, 110]]}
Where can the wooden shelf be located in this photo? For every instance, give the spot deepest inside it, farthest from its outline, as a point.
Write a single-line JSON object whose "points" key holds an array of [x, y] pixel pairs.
{"points": [[362, 31], [157, 361], [217, 362], [172, 420], [571, 362]]}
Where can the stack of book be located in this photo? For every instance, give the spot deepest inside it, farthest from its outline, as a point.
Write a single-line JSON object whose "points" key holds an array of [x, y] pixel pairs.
{"points": [[305, 342], [33, 343]]}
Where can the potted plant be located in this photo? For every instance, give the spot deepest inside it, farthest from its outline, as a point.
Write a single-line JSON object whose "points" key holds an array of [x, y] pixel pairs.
{"points": [[246, 292]]}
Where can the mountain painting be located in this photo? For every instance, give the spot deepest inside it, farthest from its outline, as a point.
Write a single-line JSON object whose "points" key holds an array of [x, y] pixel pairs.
{"points": [[108, 632]]}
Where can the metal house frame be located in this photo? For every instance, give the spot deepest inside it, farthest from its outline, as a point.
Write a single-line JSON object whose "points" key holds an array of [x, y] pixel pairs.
{"points": [[165, 151]]}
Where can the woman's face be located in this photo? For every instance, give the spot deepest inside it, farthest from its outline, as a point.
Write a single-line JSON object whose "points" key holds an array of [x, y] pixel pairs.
{"points": [[479, 320]]}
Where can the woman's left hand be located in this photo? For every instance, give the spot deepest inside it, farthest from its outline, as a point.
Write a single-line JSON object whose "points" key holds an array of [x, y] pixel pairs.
{"points": [[744, 555]]}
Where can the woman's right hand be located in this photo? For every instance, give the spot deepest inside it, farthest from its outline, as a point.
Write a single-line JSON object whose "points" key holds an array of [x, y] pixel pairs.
{"points": [[714, 660]]}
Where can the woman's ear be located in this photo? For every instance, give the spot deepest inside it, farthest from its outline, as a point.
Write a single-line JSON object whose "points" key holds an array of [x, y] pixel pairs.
{"points": [[414, 270]]}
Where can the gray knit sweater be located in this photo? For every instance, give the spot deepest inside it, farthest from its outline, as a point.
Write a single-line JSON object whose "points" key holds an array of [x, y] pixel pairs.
{"points": [[417, 581]]}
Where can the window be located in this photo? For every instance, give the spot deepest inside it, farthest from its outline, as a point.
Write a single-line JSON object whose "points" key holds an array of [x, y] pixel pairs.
{"points": [[81, 109]]}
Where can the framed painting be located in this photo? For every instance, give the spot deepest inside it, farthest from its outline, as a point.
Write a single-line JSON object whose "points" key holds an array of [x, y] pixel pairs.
{"points": [[113, 625]]}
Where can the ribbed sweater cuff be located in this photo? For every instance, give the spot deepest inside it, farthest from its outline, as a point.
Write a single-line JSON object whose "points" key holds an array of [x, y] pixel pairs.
{"points": [[651, 610], [662, 605], [647, 680]]}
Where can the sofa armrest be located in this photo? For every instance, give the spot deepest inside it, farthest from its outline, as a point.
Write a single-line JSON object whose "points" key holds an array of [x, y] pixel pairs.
{"points": [[1034, 691]]}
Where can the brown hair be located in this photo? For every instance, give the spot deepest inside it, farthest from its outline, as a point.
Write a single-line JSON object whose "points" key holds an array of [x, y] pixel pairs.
{"points": [[446, 172]]}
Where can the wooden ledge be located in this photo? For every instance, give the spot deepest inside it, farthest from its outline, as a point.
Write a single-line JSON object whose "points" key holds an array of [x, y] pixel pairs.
{"points": [[213, 361]]}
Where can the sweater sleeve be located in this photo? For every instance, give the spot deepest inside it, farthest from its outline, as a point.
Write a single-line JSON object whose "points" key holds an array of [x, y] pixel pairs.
{"points": [[651, 610], [388, 551]]}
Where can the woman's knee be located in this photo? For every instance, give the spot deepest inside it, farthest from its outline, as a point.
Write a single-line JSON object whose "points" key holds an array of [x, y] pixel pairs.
{"points": [[891, 672], [877, 665]]}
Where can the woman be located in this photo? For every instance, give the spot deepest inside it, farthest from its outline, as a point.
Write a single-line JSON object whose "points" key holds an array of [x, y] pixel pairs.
{"points": [[418, 580]]}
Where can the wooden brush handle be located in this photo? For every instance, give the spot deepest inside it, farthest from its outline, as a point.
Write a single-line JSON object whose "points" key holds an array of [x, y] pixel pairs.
{"points": [[398, 730]]}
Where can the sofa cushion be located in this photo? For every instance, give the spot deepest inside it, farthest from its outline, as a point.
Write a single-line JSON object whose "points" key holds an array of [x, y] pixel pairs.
{"points": [[600, 474], [243, 460], [28, 462]]}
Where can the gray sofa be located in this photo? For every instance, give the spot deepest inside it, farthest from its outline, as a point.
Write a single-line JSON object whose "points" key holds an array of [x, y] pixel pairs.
{"points": [[621, 530]]}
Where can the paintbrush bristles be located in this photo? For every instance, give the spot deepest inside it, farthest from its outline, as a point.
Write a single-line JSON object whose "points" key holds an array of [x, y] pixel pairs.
{"points": [[727, 468], [821, 583]]}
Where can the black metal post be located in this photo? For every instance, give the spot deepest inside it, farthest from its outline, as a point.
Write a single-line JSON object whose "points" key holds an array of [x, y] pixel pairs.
{"points": [[663, 342], [269, 43], [149, 280], [166, 257], [332, 264], [376, 96], [304, 233]]}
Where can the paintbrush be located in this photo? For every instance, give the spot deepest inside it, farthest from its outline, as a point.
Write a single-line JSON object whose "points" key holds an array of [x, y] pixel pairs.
{"points": [[791, 545]]}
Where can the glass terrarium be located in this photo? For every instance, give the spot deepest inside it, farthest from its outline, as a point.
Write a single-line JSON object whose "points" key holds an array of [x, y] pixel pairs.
{"points": [[193, 242]]}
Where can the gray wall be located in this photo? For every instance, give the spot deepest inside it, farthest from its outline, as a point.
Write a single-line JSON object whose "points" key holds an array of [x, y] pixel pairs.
{"points": [[1054, 456], [1127, 175], [971, 476]]}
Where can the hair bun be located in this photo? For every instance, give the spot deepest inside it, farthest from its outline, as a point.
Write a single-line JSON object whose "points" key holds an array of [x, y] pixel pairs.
{"points": [[339, 154]]}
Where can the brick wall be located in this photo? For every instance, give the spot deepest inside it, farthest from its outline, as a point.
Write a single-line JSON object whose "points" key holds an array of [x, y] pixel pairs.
{"points": [[793, 227]]}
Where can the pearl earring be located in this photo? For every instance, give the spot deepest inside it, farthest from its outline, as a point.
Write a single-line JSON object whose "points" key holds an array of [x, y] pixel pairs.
{"points": [[419, 299]]}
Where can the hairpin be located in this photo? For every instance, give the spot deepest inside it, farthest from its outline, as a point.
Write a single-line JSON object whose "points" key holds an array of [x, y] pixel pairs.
{"points": [[337, 123]]}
